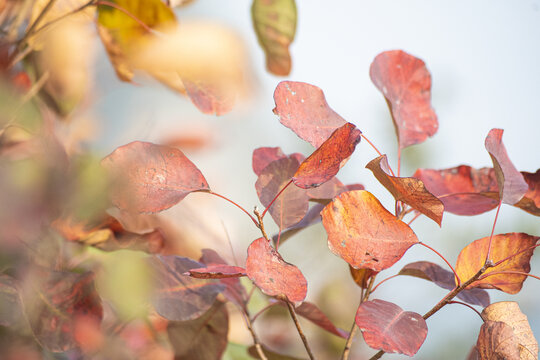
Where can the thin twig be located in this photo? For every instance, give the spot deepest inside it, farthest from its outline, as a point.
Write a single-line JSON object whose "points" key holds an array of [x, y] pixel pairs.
{"points": [[260, 224], [274, 199], [467, 305], [446, 261], [348, 344], [488, 260], [235, 204], [298, 328], [259, 313], [377, 151], [256, 342]]}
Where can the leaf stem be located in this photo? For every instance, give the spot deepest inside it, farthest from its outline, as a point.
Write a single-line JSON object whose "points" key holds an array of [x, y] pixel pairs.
{"points": [[298, 328], [509, 272], [274, 199], [516, 254], [254, 317], [416, 216], [467, 305], [376, 150], [383, 281], [249, 325], [260, 224], [446, 261], [235, 204], [488, 260]]}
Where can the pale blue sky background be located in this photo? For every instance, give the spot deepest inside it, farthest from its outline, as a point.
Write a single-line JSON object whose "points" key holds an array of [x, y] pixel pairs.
{"points": [[484, 57]]}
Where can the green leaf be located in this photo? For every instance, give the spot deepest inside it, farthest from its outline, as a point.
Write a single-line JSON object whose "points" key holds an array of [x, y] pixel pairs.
{"points": [[275, 25]]}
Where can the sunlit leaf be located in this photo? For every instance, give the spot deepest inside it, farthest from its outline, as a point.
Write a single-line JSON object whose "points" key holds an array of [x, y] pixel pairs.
{"points": [[275, 25], [509, 313], [406, 84], [203, 338], [179, 297], [512, 186], [445, 279], [324, 163], [471, 260], [387, 327], [55, 304], [407, 189], [363, 233], [151, 178], [303, 108], [291, 206], [275, 277]]}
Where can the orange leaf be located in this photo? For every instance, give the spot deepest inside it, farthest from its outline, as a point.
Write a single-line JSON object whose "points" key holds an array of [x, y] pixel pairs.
{"points": [[407, 189], [512, 186], [361, 276], [471, 260], [363, 233], [406, 84], [303, 108], [151, 178], [326, 161], [270, 273]]}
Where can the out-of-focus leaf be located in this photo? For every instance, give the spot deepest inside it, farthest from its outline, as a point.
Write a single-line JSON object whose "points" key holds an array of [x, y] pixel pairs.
{"points": [[363, 233], [387, 327], [292, 204], [463, 190], [125, 35], [151, 178], [471, 260], [509, 313], [325, 162], [406, 84], [56, 302], [445, 279], [263, 156], [361, 276], [512, 186], [10, 301], [234, 291], [312, 217], [327, 191], [217, 272], [303, 108], [203, 338], [496, 341], [407, 189], [270, 273], [210, 98], [473, 354], [179, 297], [270, 355], [275, 25]]}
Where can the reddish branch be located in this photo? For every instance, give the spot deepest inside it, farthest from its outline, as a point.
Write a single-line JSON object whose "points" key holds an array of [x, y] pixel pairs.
{"points": [[300, 332], [488, 260]]}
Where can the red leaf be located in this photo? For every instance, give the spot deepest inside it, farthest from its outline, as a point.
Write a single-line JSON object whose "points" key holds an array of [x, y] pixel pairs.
{"points": [[363, 233], [264, 156], [179, 297], [210, 98], [302, 108], [234, 291], [387, 327], [406, 84], [326, 161], [292, 204], [270, 273], [55, 305], [216, 272], [328, 190], [409, 190], [463, 190], [203, 338], [512, 186], [471, 260], [151, 178], [445, 279], [531, 201], [311, 312]]}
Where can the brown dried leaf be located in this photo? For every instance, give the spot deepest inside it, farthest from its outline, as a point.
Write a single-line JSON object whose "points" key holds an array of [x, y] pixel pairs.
{"points": [[324, 163], [150, 178], [496, 341], [387, 327], [512, 186], [509, 313], [409, 190], [406, 84], [270, 273], [363, 233], [471, 260], [361, 276], [217, 272], [303, 108]]}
